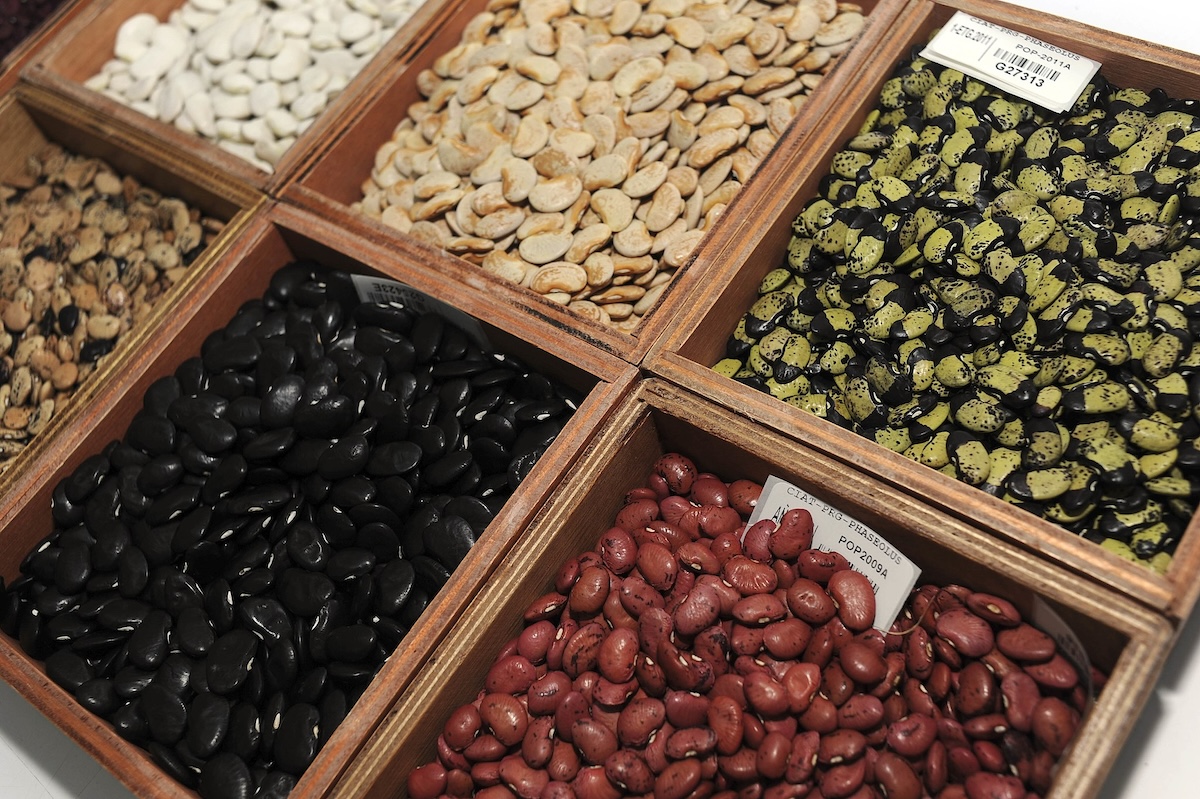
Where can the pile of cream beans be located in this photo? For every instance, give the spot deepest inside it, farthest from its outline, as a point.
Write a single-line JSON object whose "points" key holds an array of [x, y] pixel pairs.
{"points": [[582, 148], [249, 75]]}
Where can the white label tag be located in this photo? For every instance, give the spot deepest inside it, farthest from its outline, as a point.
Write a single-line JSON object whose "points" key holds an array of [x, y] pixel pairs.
{"points": [[1041, 73], [1048, 621], [389, 292], [891, 574]]}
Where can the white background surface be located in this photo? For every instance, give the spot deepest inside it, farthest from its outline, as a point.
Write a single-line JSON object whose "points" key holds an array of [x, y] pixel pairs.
{"points": [[37, 761]]}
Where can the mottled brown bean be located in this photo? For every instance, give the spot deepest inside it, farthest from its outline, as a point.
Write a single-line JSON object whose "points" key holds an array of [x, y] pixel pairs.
{"points": [[1026, 644], [1020, 694], [996, 610], [678, 471], [820, 565], [697, 557], [860, 712], [821, 716], [977, 690], [574, 706], [427, 781], [985, 785], [838, 782], [724, 717], [582, 652], [486, 748], [594, 740], [628, 770], [841, 746], [743, 496], [990, 756], [640, 720], [691, 742], [787, 638], [793, 535], [510, 675], [759, 610], [1057, 673], [686, 709], [547, 691], [709, 490], [970, 635], [748, 576], [462, 727], [678, 780], [988, 727], [657, 565], [862, 664], [700, 609], [809, 602], [592, 783], [505, 716], [836, 684], [618, 550], [1054, 723], [538, 745], [525, 782], [618, 654], [896, 777]]}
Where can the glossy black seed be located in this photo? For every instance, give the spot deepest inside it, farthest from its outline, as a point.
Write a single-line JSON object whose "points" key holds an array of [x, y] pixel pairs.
{"points": [[260, 499], [153, 435], [191, 529], [226, 776], [193, 633], [326, 418], [172, 504], [266, 617], [207, 724], [153, 543], [165, 713], [73, 567], [418, 600], [473, 511], [336, 524], [244, 735], [148, 643], [495, 426], [349, 563], [350, 492], [68, 669], [85, 479], [344, 458], [231, 385], [213, 436], [282, 666], [393, 586], [187, 409], [447, 469], [250, 556], [304, 592], [245, 412], [98, 696], [160, 474], [270, 445], [280, 401], [196, 461], [352, 644], [271, 714], [430, 574], [307, 546], [449, 540], [96, 642], [237, 353], [132, 681], [123, 614], [170, 761], [229, 660], [51, 602], [179, 673], [380, 540], [129, 723], [253, 583], [67, 627]]}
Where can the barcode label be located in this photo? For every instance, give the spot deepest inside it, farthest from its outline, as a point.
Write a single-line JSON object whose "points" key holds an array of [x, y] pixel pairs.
{"points": [[1038, 71], [1022, 62]]}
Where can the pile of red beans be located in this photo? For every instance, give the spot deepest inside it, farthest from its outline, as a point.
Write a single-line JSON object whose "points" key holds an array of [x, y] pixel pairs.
{"points": [[683, 660]]}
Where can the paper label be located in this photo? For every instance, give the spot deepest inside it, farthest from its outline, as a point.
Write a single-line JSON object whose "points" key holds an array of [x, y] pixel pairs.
{"points": [[890, 572], [1048, 621], [389, 292], [1039, 72]]}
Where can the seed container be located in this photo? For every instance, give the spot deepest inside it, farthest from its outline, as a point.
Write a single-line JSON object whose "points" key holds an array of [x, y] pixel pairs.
{"points": [[274, 238], [31, 119], [758, 244], [80, 50], [333, 183], [1121, 637]]}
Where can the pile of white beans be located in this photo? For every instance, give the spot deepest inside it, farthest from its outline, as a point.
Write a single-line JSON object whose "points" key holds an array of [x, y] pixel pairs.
{"points": [[249, 75]]}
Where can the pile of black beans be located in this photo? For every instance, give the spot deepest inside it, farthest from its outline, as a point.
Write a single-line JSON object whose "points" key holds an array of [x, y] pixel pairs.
{"points": [[222, 583], [1006, 295], [19, 18]]}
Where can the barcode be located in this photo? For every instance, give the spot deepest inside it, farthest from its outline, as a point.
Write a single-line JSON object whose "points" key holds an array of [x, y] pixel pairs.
{"points": [[1021, 62]]}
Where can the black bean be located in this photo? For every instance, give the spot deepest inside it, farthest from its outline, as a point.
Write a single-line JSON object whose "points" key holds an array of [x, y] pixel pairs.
{"points": [[352, 643], [165, 713], [344, 458], [337, 525], [328, 417], [68, 669], [180, 673], [152, 543], [159, 474], [67, 627], [244, 735], [236, 353], [122, 614], [282, 666], [394, 584], [129, 723], [225, 776], [98, 696], [229, 660], [191, 529], [279, 404], [266, 617], [132, 681], [212, 436], [173, 503], [73, 567], [97, 642], [349, 563], [187, 409], [303, 592], [193, 633], [147, 644]]}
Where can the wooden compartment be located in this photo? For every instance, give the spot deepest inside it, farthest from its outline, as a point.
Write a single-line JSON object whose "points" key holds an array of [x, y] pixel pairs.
{"points": [[276, 237], [688, 350], [1122, 638], [29, 120], [333, 182], [81, 48]]}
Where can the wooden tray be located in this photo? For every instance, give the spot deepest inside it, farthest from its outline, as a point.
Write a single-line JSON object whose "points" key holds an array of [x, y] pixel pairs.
{"points": [[688, 350], [333, 181], [83, 46], [1126, 640], [29, 119], [274, 238]]}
